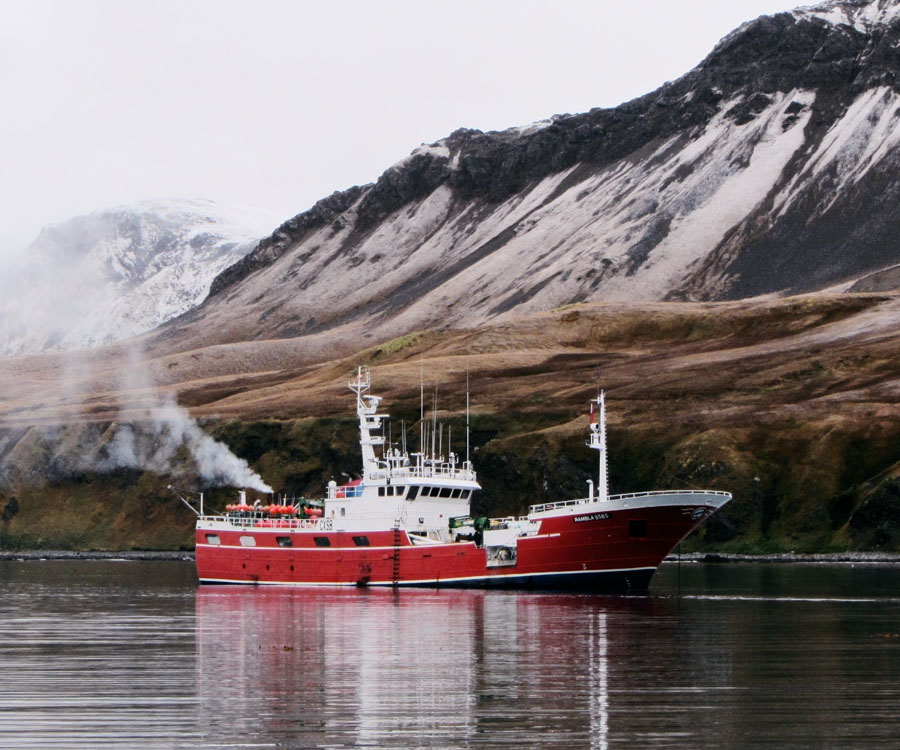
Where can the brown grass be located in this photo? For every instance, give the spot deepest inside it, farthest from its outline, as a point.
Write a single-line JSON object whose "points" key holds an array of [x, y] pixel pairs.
{"points": [[790, 404], [715, 364]]}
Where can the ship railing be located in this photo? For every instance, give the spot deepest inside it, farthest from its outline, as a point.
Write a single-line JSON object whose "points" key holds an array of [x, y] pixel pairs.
{"points": [[625, 496], [263, 523], [426, 472]]}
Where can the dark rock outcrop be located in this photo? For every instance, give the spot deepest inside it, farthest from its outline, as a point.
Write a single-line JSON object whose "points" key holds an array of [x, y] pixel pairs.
{"points": [[770, 168]]}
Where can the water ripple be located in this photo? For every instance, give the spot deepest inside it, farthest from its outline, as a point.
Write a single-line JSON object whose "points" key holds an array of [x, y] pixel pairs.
{"points": [[115, 655]]}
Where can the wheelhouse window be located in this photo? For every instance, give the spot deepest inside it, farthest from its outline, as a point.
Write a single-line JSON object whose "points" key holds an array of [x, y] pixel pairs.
{"points": [[322, 541], [413, 493], [361, 541], [284, 541]]}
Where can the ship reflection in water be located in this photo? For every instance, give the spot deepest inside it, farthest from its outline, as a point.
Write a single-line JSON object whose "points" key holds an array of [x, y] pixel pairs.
{"points": [[781, 656], [374, 668], [136, 655]]}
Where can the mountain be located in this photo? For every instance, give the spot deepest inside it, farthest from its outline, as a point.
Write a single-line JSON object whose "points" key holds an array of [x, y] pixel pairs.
{"points": [[119, 272], [771, 168]]}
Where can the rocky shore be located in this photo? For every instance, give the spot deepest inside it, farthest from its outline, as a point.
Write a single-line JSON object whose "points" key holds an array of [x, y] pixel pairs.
{"points": [[45, 554], [708, 557], [787, 557]]}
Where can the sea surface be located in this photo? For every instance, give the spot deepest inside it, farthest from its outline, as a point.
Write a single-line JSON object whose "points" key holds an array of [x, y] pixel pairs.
{"points": [[136, 655]]}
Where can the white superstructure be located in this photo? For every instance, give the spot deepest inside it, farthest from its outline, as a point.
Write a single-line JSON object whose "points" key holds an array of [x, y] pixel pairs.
{"points": [[419, 491]]}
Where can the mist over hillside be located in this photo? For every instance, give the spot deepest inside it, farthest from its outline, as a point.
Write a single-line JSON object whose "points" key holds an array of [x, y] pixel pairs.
{"points": [[119, 272]]}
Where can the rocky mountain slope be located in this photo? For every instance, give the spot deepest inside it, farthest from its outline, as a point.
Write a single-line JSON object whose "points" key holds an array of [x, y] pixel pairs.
{"points": [[770, 168], [119, 272]]}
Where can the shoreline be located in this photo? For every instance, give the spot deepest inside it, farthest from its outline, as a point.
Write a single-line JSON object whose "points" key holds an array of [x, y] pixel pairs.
{"points": [[784, 557], [63, 554], [692, 557]]}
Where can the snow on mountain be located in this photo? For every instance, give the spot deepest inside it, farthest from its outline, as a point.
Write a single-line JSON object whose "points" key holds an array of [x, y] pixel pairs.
{"points": [[861, 15], [771, 168], [119, 272]]}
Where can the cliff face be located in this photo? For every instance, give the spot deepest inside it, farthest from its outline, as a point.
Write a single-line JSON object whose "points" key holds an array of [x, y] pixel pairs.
{"points": [[770, 168]]}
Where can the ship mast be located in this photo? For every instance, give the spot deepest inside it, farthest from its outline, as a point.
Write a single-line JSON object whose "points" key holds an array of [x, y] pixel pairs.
{"points": [[467, 464], [369, 419], [423, 439], [598, 442]]}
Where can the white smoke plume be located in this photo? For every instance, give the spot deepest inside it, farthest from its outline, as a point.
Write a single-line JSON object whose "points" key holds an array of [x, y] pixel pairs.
{"points": [[171, 430], [166, 430]]}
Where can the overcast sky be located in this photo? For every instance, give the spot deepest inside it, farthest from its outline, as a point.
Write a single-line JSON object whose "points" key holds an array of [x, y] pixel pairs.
{"points": [[277, 103]]}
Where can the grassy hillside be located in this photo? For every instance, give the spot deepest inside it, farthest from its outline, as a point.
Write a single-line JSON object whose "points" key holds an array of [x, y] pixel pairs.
{"points": [[789, 404]]}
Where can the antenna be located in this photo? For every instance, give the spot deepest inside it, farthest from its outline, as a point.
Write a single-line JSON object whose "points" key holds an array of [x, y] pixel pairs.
{"points": [[433, 420], [421, 408], [467, 412], [178, 494]]}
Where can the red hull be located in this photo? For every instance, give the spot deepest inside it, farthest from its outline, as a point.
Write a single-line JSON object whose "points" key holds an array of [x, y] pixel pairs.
{"points": [[619, 549]]}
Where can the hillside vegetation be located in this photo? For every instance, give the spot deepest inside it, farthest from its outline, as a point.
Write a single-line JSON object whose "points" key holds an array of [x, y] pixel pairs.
{"points": [[790, 404]]}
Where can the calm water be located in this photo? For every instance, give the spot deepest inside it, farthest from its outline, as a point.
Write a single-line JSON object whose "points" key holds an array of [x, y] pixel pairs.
{"points": [[135, 655]]}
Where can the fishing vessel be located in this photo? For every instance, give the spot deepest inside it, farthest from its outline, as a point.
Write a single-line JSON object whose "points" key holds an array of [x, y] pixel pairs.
{"points": [[406, 522]]}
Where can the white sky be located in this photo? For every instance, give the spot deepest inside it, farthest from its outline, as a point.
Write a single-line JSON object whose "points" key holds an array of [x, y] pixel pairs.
{"points": [[277, 103]]}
